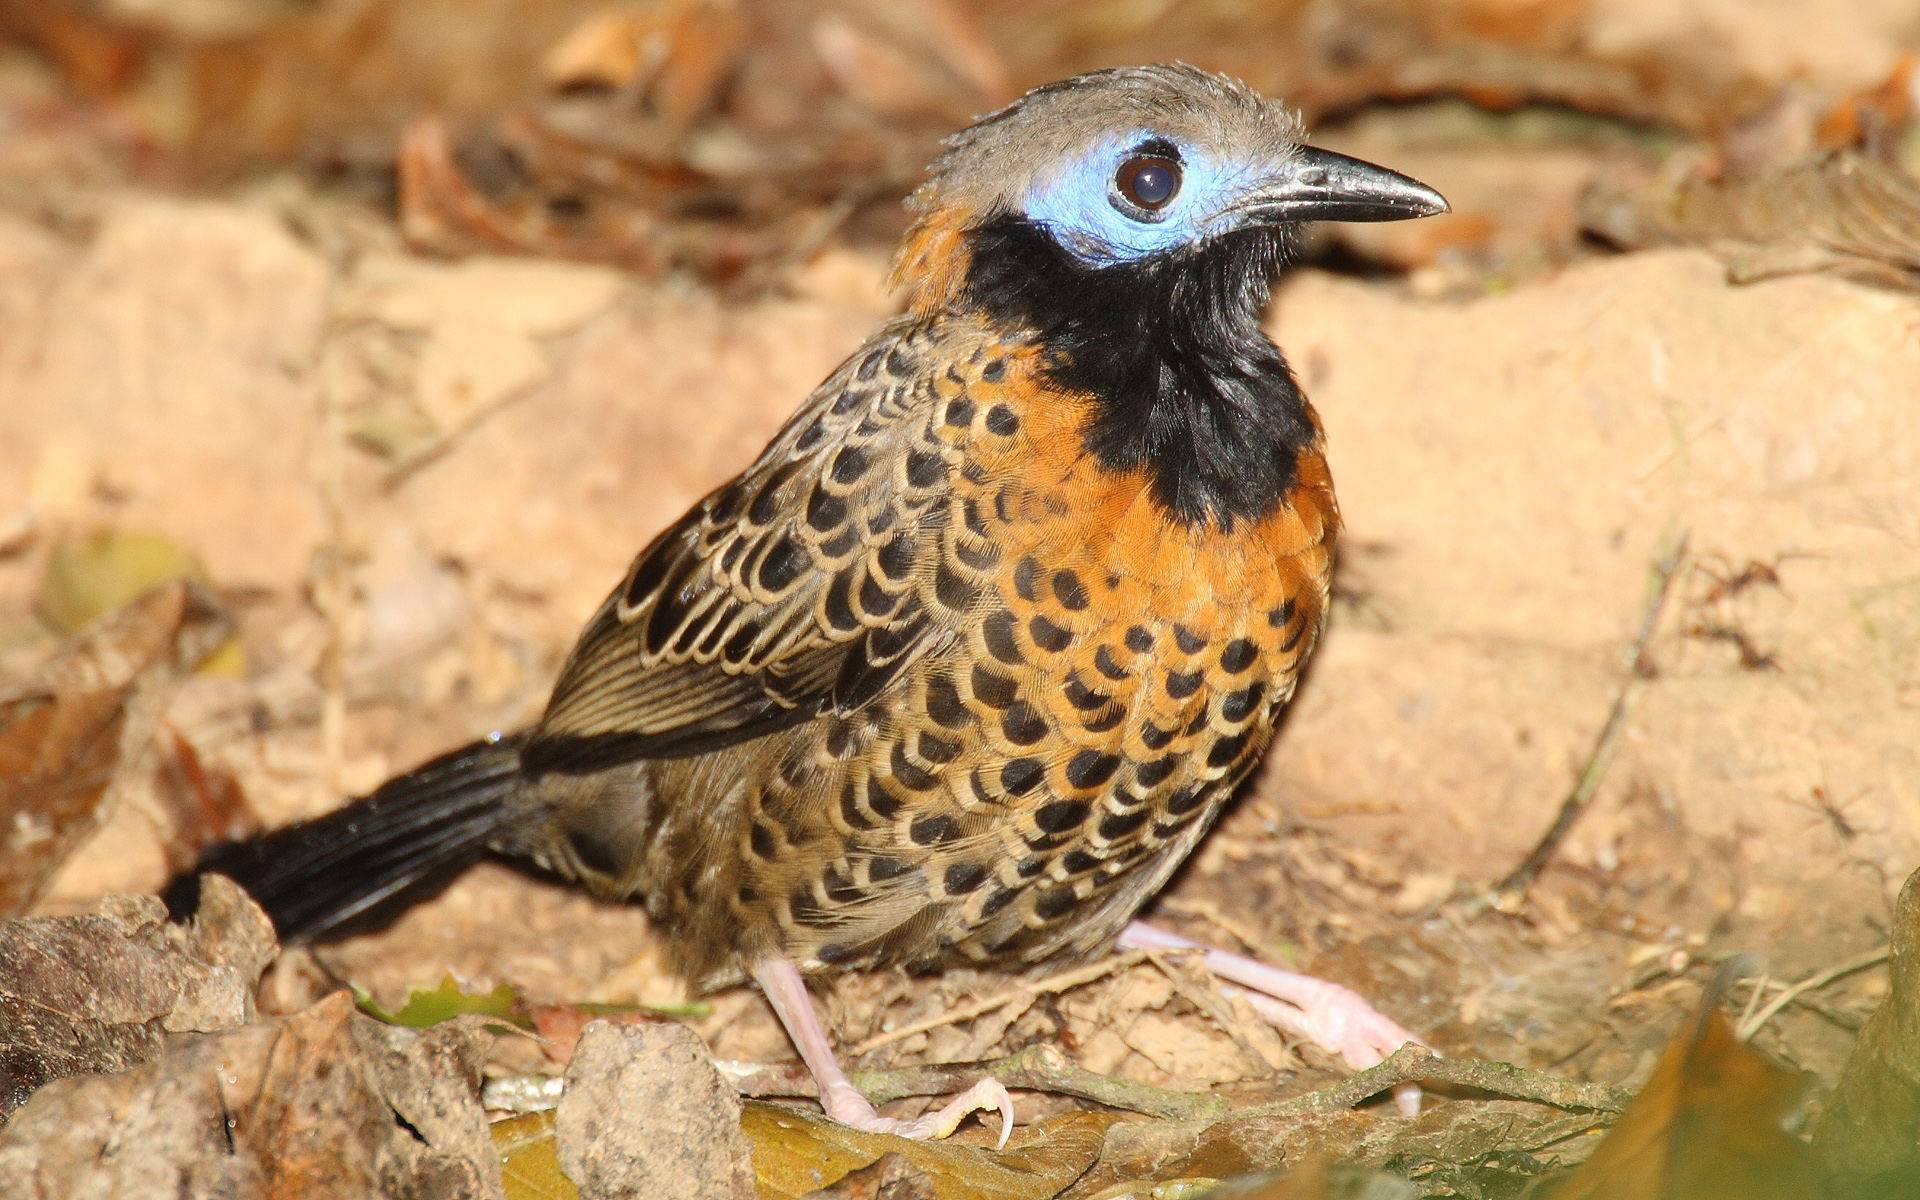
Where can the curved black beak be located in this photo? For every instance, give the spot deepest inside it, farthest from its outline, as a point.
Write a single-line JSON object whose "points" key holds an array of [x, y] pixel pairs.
{"points": [[1319, 185]]}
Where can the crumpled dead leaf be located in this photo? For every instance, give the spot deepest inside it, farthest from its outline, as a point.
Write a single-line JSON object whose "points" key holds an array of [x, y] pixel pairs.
{"points": [[1706, 1126], [70, 737], [100, 992], [327, 1102]]}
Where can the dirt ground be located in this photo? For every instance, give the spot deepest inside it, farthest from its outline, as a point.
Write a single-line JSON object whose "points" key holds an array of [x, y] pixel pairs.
{"points": [[411, 475]]}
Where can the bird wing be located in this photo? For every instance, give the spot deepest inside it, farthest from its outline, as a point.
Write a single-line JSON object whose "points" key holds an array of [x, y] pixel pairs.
{"points": [[786, 594]]}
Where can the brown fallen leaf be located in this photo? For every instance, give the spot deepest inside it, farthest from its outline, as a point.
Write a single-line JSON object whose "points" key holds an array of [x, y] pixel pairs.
{"points": [[1706, 1127], [672, 57], [205, 804], [892, 1176], [70, 736]]}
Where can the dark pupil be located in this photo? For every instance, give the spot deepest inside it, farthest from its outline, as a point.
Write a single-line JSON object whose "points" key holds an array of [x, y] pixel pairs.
{"points": [[1150, 184]]}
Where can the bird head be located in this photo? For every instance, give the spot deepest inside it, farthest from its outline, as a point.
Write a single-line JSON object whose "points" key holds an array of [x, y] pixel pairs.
{"points": [[1137, 165]]}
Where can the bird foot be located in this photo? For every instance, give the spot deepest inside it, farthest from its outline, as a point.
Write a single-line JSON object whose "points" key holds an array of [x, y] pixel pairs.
{"points": [[1335, 1018], [780, 980], [845, 1104]]}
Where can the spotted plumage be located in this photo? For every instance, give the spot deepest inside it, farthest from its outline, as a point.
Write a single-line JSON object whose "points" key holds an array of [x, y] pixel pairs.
{"points": [[961, 668]]}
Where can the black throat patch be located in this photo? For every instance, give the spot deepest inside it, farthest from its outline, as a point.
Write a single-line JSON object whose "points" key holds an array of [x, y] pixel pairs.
{"points": [[1190, 387]]}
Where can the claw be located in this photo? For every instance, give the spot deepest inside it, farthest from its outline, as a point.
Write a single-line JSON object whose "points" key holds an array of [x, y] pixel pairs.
{"points": [[984, 1096]]}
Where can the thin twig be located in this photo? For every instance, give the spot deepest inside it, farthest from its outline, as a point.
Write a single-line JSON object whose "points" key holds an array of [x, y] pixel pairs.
{"points": [[1205, 995], [1025, 990], [1414, 1063], [1040, 1068], [1512, 892], [1750, 1025]]}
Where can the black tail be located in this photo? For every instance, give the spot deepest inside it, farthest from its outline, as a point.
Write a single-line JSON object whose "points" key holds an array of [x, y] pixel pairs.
{"points": [[412, 834]]}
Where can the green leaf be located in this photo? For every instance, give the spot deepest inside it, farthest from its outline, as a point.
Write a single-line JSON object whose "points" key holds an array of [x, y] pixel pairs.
{"points": [[430, 1006]]}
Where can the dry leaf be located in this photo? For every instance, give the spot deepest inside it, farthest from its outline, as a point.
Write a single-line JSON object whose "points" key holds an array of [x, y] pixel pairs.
{"points": [[1706, 1127], [70, 737], [797, 1152]]}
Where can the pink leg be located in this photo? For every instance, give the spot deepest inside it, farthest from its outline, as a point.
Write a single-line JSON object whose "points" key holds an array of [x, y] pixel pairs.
{"points": [[787, 992], [1330, 1016]]}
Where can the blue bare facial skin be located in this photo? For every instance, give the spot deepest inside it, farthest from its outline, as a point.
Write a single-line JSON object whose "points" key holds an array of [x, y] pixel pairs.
{"points": [[1177, 196]]}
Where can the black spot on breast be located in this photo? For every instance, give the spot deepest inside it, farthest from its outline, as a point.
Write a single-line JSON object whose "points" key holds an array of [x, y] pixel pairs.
{"points": [[1103, 660], [881, 868], [964, 877], [899, 363], [1090, 768], [729, 503], [1238, 656], [1188, 798], [748, 895], [997, 632], [1180, 686], [592, 852], [1002, 421], [1188, 641], [1078, 861], [782, 565], [881, 521], [1061, 815], [970, 513], [896, 557], [834, 953], [1198, 723], [766, 505], [1068, 590], [1228, 749], [1139, 639], [980, 558], [910, 776], [869, 366], [960, 412], [840, 739], [1048, 636], [934, 831], [935, 749], [1102, 722], [995, 368], [1115, 826], [1057, 902], [999, 900], [1027, 868], [925, 468], [1083, 697], [763, 841], [876, 601], [1022, 725], [1282, 615], [1020, 775], [730, 557], [840, 614], [1293, 639], [849, 465], [812, 436], [1153, 737], [944, 704], [994, 691], [1238, 706], [953, 592], [825, 510], [1023, 576], [1153, 774], [883, 802]]}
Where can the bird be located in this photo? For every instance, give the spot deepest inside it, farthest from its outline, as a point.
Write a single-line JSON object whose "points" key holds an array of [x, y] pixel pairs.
{"points": [[963, 666]]}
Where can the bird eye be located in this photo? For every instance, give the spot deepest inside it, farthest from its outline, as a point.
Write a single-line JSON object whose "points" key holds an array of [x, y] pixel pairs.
{"points": [[1148, 181]]}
